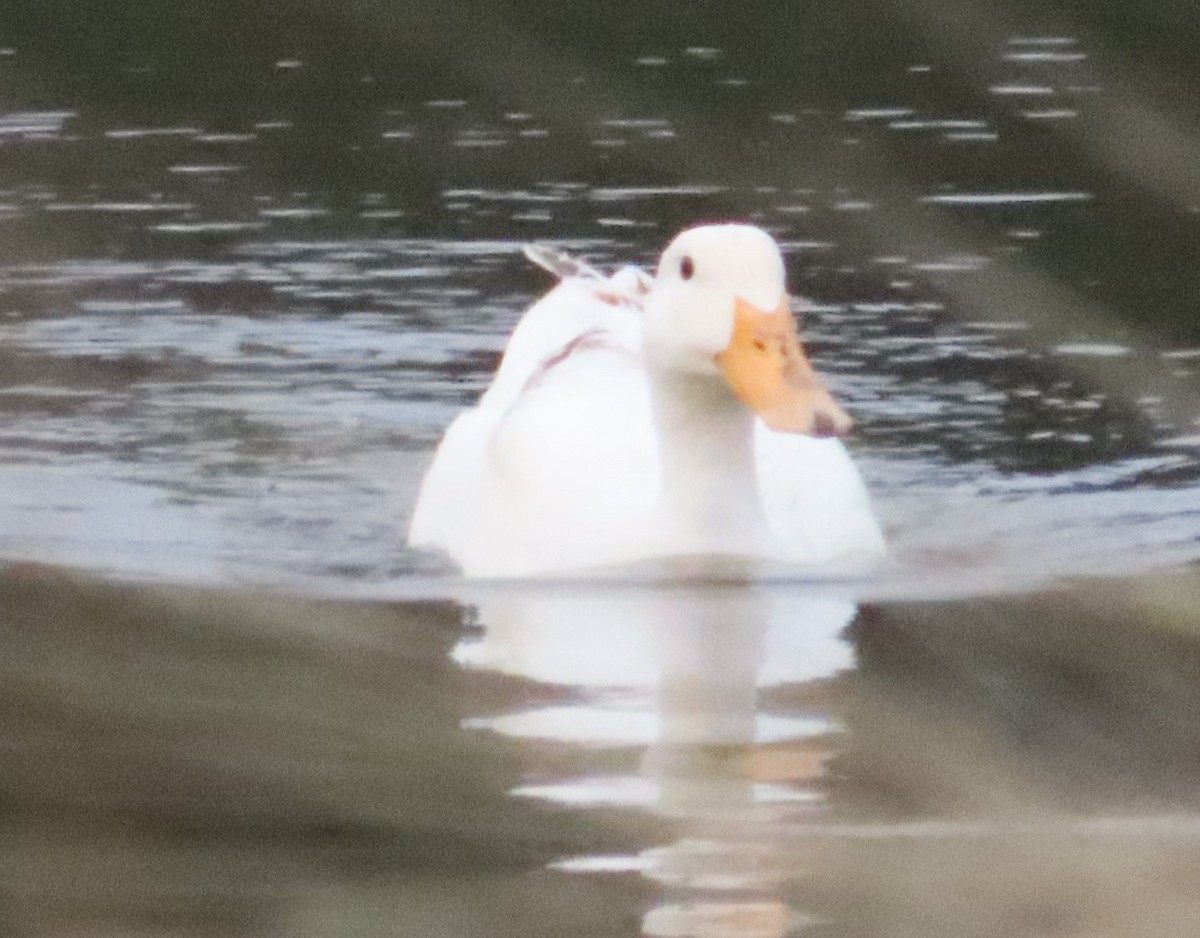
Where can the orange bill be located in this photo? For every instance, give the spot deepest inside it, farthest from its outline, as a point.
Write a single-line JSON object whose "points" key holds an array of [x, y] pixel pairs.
{"points": [[771, 375]]}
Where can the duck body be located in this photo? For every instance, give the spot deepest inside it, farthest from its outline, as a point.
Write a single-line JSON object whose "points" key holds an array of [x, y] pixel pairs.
{"points": [[588, 451]]}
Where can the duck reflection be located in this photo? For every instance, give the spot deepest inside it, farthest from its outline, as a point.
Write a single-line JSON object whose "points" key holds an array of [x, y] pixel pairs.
{"points": [[682, 673]]}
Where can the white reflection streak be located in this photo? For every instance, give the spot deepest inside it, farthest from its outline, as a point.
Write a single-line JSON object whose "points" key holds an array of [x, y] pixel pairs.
{"points": [[678, 671], [1006, 198], [25, 123], [1040, 56]]}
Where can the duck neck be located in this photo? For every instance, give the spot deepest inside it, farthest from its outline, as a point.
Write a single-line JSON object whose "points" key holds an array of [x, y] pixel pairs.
{"points": [[709, 487]]}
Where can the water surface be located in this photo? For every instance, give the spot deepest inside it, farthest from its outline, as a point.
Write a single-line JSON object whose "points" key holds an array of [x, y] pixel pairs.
{"points": [[254, 260]]}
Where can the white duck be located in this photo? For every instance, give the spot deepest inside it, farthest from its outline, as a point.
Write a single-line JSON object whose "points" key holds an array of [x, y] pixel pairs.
{"points": [[622, 425]]}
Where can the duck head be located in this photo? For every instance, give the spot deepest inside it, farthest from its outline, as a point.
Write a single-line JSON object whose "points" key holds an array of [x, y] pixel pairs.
{"points": [[719, 307]]}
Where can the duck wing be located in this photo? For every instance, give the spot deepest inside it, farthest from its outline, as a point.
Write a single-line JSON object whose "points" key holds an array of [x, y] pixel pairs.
{"points": [[555, 468]]}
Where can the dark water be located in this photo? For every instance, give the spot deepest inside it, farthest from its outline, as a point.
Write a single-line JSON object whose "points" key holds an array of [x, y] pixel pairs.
{"points": [[253, 259]]}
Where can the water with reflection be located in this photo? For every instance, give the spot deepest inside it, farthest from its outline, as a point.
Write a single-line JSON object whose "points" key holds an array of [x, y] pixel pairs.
{"points": [[252, 262], [675, 674], [709, 760]]}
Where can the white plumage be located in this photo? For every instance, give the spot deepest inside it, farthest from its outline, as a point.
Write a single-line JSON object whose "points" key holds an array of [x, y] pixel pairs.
{"points": [[615, 429]]}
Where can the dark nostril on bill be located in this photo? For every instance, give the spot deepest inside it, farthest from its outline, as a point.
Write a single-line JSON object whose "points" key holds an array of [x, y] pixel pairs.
{"points": [[824, 425], [827, 423]]}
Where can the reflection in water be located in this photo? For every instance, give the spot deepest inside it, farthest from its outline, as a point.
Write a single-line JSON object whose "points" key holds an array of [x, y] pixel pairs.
{"points": [[252, 264], [983, 767], [677, 673], [212, 764]]}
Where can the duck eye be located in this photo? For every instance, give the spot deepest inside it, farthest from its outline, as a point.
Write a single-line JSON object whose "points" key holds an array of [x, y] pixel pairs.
{"points": [[687, 267]]}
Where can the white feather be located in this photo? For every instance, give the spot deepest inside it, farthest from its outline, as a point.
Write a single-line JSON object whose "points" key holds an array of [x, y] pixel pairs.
{"points": [[559, 466]]}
